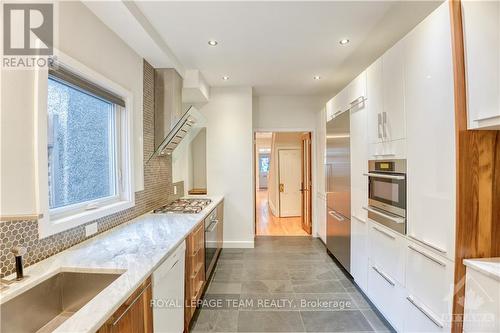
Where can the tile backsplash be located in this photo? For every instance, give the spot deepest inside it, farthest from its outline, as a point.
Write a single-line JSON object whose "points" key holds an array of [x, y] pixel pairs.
{"points": [[158, 190]]}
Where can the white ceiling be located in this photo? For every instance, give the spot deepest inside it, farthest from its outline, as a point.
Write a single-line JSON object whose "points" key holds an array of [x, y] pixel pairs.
{"points": [[277, 47]]}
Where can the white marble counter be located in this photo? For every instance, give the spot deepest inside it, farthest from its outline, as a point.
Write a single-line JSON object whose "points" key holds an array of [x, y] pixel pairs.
{"points": [[135, 248], [487, 266]]}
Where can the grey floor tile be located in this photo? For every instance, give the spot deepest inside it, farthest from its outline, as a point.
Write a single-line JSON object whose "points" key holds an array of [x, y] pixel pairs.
{"points": [[335, 321], [270, 321], [227, 321], [377, 323], [205, 322], [265, 274], [216, 302], [228, 275], [359, 300], [320, 286], [269, 302], [313, 273], [324, 302], [224, 288], [266, 286]]}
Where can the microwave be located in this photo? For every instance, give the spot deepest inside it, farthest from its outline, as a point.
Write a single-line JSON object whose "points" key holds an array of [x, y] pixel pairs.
{"points": [[387, 193]]}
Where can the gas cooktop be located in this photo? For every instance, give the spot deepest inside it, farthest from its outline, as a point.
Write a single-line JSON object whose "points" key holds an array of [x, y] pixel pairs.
{"points": [[184, 206]]}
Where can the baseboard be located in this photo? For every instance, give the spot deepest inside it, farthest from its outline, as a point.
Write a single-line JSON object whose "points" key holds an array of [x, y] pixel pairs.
{"points": [[238, 244]]}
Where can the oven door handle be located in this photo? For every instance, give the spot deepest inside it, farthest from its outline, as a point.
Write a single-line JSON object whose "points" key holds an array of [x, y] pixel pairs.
{"points": [[399, 220], [381, 175], [211, 226]]}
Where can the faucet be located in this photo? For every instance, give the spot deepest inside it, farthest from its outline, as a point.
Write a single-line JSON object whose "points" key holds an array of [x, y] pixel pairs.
{"points": [[19, 252]]}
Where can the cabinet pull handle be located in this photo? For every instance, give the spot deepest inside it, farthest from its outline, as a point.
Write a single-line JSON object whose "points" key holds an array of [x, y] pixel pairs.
{"points": [[379, 123], [381, 175], [383, 275], [131, 304], [427, 256], [337, 113], [384, 233], [428, 244], [394, 219], [336, 216], [425, 312], [384, 123], [389, 154], [357, 101]]}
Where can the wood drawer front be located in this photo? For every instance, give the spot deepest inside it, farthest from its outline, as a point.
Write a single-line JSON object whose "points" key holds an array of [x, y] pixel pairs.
{"points": [[429, 279], [195, 240], [387, 250], [135, 315], [385, 292]]}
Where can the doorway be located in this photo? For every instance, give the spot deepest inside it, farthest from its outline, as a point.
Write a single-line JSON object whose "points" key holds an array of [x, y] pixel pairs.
{"points": [[283, 184]]}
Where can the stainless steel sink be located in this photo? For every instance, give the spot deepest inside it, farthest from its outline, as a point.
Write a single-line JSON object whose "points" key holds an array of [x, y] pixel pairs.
{"points": [[48, 304]]}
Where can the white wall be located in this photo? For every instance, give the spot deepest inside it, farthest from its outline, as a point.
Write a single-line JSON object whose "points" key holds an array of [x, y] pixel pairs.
{"points": [[287, 112], [85, 38], [229, 160]]}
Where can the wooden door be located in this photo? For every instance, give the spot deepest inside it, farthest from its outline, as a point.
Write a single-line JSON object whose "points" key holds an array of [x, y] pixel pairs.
{"points": [[290, 182], [306, 183]]}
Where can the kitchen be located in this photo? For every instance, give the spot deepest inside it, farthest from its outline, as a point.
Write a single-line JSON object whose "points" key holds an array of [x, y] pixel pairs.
{"points": [[97, 207]]}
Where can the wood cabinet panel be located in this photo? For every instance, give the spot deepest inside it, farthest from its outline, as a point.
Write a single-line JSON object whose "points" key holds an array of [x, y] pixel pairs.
{"points": [[135, 315]]}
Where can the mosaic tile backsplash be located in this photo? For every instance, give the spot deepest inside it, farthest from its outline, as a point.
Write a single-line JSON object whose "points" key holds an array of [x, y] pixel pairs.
{"points": [[158, 190]]}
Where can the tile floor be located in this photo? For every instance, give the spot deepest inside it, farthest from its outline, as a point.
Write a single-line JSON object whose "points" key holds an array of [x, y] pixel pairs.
{"points": [[284, 284]]}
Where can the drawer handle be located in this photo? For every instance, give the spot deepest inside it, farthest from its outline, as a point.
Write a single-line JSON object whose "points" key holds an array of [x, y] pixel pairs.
{"points": [[385, 233], [336, 216], [425, 312], [388, 279], [131, 304], [428, 244], [394, 219], [427, 256], [382, 175]]}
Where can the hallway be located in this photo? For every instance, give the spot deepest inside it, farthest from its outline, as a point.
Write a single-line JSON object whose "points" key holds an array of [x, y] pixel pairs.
{"points": [[284, 284], [270, 225]]}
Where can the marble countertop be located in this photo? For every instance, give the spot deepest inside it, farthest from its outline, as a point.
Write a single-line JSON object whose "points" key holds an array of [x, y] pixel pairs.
{"points": [[135, 249], [487, 266]]}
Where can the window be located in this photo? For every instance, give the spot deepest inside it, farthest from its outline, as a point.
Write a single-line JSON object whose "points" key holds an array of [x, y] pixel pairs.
{"points": [[88, 149], [81, 146]]}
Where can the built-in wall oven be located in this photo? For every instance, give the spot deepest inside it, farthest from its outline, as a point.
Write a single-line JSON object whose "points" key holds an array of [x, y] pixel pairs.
{"points": [[387, 193], [213, 240]]}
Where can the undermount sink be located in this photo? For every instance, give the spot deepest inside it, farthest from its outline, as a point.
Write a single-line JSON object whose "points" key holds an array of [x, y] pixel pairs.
{"points": [[47, 305]]}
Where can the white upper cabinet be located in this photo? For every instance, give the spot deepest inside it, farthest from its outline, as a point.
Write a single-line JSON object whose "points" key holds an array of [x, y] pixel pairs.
{"points": [[393, 113], [374, 101], [330, 109], [356, 90], [481, 21], [429, 105]]}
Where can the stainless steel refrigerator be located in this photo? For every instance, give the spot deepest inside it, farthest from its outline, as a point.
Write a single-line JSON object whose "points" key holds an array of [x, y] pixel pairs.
{"points": [[338, 188]]}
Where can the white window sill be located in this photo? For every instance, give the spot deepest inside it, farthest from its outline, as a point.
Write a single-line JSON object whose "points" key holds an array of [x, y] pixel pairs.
{"points": [[54, 226]]}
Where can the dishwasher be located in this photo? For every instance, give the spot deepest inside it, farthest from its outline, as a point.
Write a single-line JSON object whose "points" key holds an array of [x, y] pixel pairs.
{"points": [[168, 293]]}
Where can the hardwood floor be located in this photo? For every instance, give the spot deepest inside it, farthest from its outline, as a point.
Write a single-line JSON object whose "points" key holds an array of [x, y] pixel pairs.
{"points": [[270, 225]]}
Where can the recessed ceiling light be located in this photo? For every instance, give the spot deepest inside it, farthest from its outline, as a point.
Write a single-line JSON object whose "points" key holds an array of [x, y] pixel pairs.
{"points": [[344, 41], [316, 77], [212, 42], [225, 78]]}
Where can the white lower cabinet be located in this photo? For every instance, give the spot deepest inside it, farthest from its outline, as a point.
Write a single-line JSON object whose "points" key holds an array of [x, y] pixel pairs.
{"points": [[359, 253], [482, 302], [419, 318], [429, 286], [387, 250], [387, 295]]}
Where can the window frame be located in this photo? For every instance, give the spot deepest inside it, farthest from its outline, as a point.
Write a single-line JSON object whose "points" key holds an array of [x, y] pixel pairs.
{"points": [[63, 218]]}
